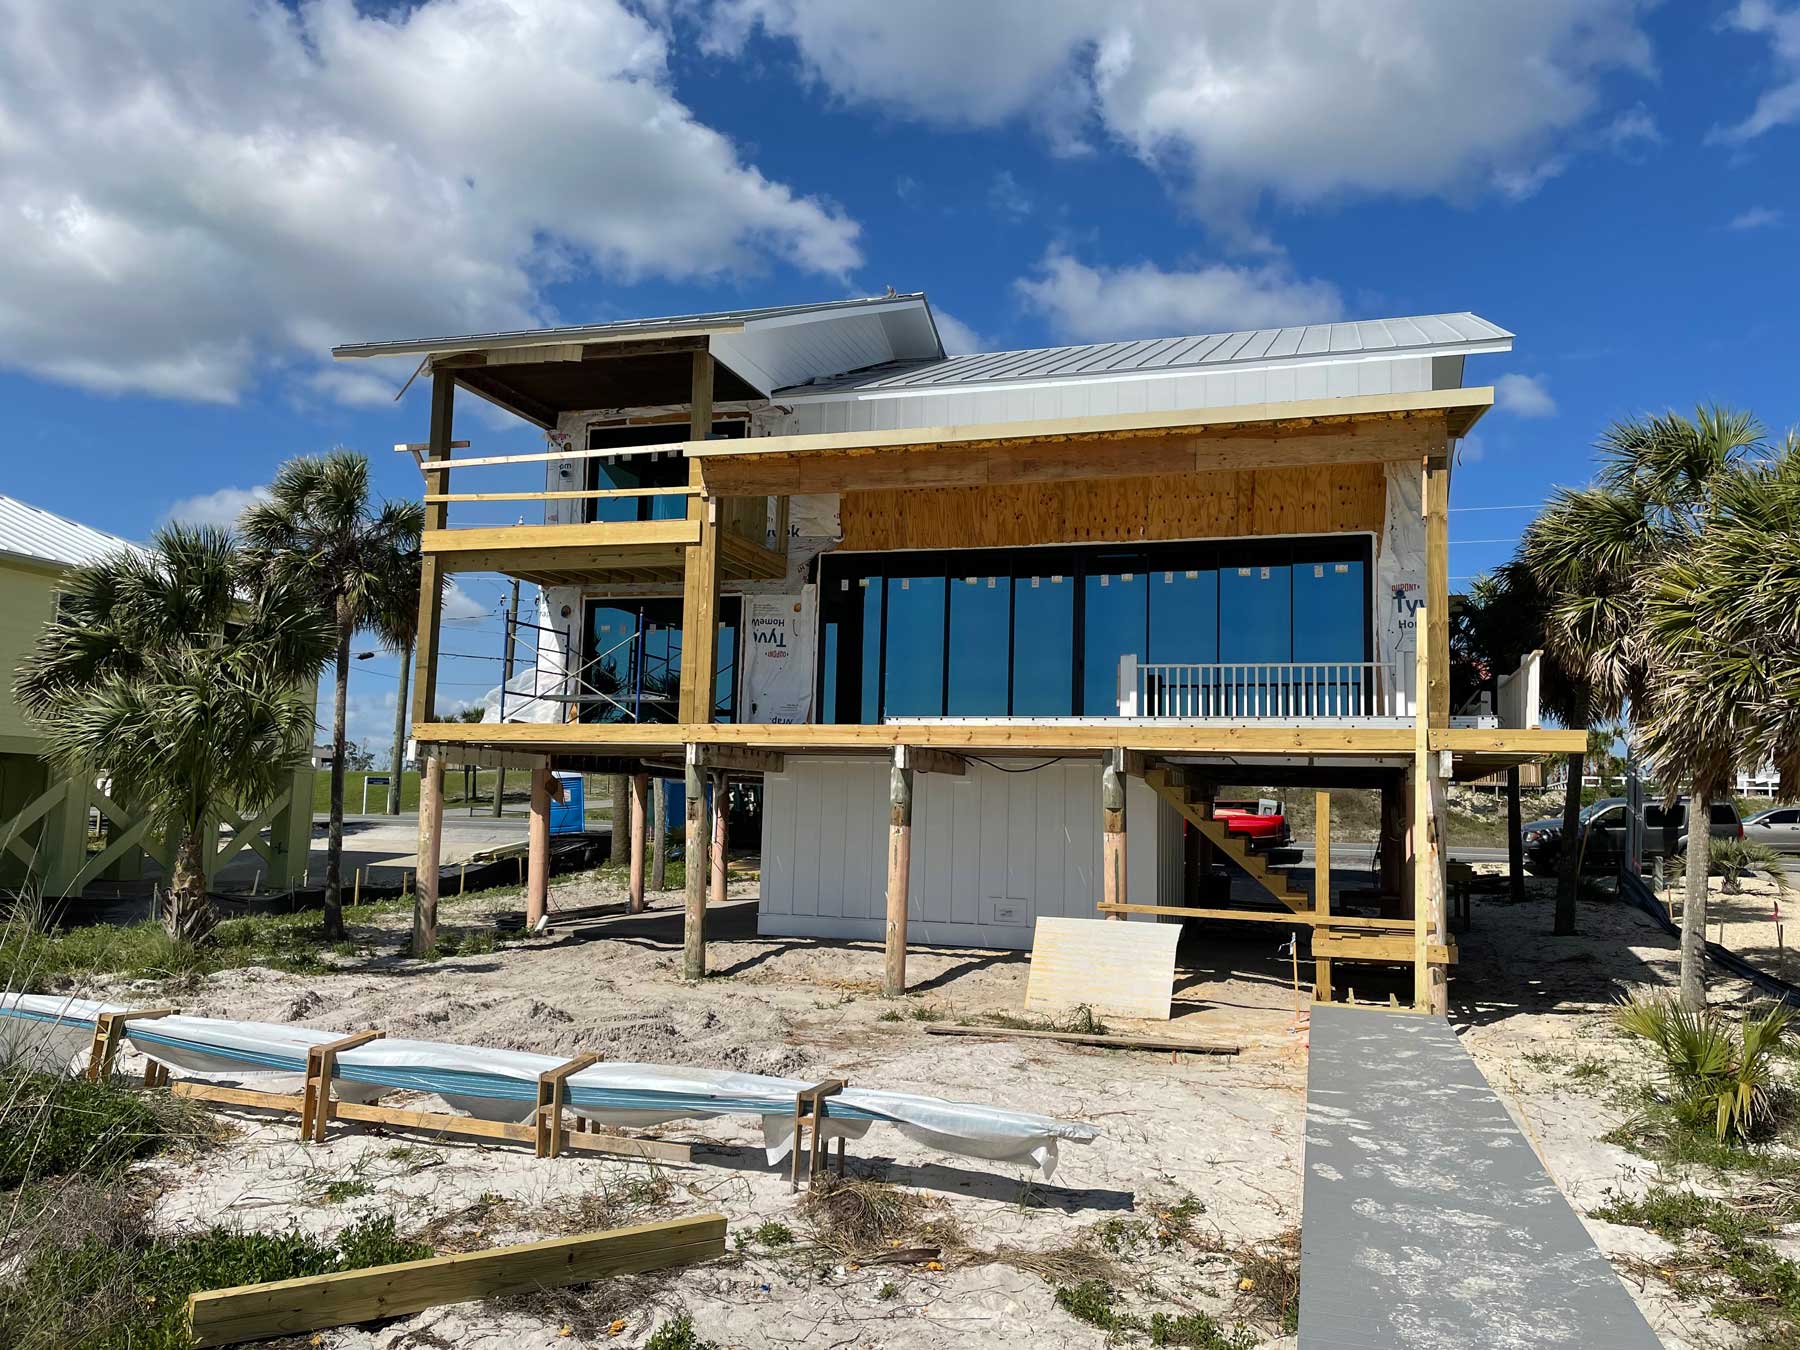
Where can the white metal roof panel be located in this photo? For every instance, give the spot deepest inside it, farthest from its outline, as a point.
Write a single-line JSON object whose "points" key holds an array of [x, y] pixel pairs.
{"points": [[28, 531], [1363, 339]]}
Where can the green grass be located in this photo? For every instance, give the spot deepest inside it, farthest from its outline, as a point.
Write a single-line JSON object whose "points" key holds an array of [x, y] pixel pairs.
{"points": [[124, 1289], [54, 1127]]}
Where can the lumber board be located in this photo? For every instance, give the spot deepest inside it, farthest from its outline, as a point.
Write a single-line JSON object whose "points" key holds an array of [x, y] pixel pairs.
{"points": [[283, 1307], [1303, 918], [230, 1096], [1399, 949], [1123, 968], [592, 535], [1157, 1043]]}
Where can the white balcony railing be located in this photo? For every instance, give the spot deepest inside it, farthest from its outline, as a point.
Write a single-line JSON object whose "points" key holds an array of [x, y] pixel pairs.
{"points": [[1259, 691]]}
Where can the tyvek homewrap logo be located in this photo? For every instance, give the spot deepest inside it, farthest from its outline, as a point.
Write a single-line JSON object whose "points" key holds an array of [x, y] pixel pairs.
{"points": [[1407, 599]]}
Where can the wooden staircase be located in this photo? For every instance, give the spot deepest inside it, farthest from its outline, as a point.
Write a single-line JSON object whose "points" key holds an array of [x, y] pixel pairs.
{"points": [[1272, 879]]}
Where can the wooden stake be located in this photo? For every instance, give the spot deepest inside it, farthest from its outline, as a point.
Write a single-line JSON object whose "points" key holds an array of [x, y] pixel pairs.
{"points": [[720, 824], [431, 832], [321, 1068], [639, 787], [1112, 839], [109, 1031], [809, 1103], [356, 897], [552, 1091], [693, 931], [899, 874], [537, 885]]}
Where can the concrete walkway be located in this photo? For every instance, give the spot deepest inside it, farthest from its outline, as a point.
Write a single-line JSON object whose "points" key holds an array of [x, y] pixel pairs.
{"points": [[1427, 1220]]}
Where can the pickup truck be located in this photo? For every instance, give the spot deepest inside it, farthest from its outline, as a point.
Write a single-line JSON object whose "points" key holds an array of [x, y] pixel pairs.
{"points": [[1603, 830], [1260, 824]]}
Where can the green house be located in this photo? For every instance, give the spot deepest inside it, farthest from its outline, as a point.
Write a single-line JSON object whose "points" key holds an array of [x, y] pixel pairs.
{"points": [[58, 835]]}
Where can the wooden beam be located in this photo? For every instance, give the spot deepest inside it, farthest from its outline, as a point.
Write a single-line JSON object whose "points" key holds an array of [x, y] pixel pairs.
{"points": [[284, 1307], [483, 756], [695, 836], [700, 571], [602, 563], [1507, 740], [1398, 949], [740, 759], [600, 351], [920, 760], [682, 491], [593, 535], [1300, 918], [431, 574], [899, 876], [431, 831]]}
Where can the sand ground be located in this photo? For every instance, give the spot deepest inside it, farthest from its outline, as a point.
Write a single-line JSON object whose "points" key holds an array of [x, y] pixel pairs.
{"points": [[1226, 1131]]}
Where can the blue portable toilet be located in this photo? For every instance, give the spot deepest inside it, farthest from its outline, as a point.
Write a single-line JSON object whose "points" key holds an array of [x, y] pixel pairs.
{"points": [[569, 816]]}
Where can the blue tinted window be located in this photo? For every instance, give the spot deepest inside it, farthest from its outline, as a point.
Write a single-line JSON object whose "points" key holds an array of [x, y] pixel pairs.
{"points": [[915, 648], [1184, 615], [872, 590], [1043, 645], [1329, 601], [1254, 622], [1114, 624], [979, 615]]}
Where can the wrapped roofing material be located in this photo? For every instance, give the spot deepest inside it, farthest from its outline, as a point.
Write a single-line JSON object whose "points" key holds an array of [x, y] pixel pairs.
{"points": [[502, 1084], [48, 1031]]}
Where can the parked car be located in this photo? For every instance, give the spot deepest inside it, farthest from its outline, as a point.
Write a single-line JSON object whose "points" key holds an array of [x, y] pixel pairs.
{"points": [[1259, 823], [1778, 827], [1603, 829]]}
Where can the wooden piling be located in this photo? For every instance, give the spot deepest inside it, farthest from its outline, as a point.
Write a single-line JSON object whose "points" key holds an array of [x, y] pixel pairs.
{"points": [[537, 868], [431, 835], [639, 788], [899, 874], [720, 823], [694, 851], [1112, 839], [1322, 888]]}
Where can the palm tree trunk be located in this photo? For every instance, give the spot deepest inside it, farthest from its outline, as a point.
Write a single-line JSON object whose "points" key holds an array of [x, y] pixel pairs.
{"points": [[187, 915], [1568, 881], [334, 840], [659, 835], [398, 769], [1693, 909]]}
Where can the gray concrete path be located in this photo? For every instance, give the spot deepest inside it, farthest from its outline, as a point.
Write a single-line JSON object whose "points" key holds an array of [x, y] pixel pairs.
{"points": [[1427, 1222]]}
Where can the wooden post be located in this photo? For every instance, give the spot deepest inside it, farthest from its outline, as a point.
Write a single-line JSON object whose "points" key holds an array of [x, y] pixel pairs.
{"points": [[700, 576], [1321, 888], [1430, 926], [1515, 838], [694, 850], [899, 873], [537, 871], [552, 1094], [659, 836], [431, 834], [639, 787], [109, 1031], [321, 1067], [431, 575], [1434, 619], [1112, 837], [721, 822]]}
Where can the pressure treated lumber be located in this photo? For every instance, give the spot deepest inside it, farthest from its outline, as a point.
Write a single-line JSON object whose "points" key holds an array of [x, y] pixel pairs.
{"points": [[1112, 841], [716, 852], [1321, 889], [695, 838], [1304, 918], [431, 837], [899, 877], [283, 1307], [640, 788], [1084, 1038], [537, 864]]}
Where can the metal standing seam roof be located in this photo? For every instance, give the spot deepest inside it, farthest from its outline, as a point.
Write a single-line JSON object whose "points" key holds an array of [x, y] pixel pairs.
{"points": [[1419, 335], [616, 328], [28, 531]]}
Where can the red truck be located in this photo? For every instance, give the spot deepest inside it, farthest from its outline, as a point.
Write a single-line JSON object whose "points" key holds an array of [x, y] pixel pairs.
{"points": [[1260, 824]]}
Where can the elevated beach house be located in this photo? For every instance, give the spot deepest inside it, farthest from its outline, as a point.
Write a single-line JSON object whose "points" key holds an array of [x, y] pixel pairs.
{"points": [[992, 630]]}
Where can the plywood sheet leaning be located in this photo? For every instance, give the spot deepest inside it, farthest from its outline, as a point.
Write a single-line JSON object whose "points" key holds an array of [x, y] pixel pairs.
{"points": [[1126, 969]]}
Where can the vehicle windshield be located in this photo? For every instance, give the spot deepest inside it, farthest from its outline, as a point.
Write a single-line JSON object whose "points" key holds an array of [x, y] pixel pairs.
{"points": [[1595, 808]]}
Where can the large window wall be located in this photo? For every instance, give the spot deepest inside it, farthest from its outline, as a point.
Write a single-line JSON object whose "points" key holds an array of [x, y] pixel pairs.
{"points": [[632, 657], [1039, 632], [643, 470]]}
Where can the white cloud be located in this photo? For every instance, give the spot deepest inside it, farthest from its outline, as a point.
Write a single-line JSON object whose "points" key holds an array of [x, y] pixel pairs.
{"points": [[221, 508], [1008, 198], [459, 604], [1235, 99], [1094, 304], [1779, 104], [1632, 130], [1523, 396], [1470, 450], [1756, 218], [959, 339], [190, 203]]}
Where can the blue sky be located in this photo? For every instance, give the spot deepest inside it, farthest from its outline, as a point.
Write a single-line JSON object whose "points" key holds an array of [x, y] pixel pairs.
{"points": [[196, 212]]}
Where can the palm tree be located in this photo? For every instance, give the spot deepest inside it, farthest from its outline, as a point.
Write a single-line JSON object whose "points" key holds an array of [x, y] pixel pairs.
{"points": [[399, 630], [319, 530], [1593, 552], [180, 673]]}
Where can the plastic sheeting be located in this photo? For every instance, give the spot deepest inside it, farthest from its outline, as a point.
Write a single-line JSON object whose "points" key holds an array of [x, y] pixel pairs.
{"points": [[502, 1084]]}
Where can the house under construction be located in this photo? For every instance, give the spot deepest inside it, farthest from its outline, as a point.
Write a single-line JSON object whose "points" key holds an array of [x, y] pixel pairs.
{"points": [[990, 631]]}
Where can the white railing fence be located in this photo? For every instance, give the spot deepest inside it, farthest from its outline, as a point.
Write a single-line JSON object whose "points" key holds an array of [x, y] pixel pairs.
{"points": [[1259, 691]]}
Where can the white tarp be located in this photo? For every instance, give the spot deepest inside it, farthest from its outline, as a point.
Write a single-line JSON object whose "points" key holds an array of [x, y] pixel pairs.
{"points": [[1400, 574], [778, 656], [502, 1084]]}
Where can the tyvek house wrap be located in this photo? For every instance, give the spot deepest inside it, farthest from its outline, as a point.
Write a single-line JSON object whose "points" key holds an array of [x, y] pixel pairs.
{"points": [[502, 1084], [1400, 575]]}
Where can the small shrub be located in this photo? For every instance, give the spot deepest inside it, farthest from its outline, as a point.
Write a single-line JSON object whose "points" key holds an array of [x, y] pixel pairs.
{"points": [[53, 1127], [1198, 1331], [1734, 858], [678, 1334], [889, 1290], [1096, 1303], [773, 1234], [1712, 1072]]}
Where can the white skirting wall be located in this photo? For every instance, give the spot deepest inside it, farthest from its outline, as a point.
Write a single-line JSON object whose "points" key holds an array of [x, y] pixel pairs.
{"points": [[991, 850]]}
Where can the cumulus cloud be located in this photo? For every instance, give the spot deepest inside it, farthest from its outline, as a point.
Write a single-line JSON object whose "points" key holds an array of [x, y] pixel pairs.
{"points": [[1302, 100], [1756, 218], [1523, 396], [221, 508], [959, 339], [459, 604], [189, 204], [1779, 104], [1093, 304]]}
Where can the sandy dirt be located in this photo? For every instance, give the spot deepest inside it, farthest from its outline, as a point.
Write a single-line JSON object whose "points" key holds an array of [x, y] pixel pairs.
{"points": [[1226, 1131]]}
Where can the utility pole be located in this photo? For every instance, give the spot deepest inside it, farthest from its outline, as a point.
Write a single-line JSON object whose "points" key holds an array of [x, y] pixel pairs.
{"points": [[397, 772], [512, 628]]}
